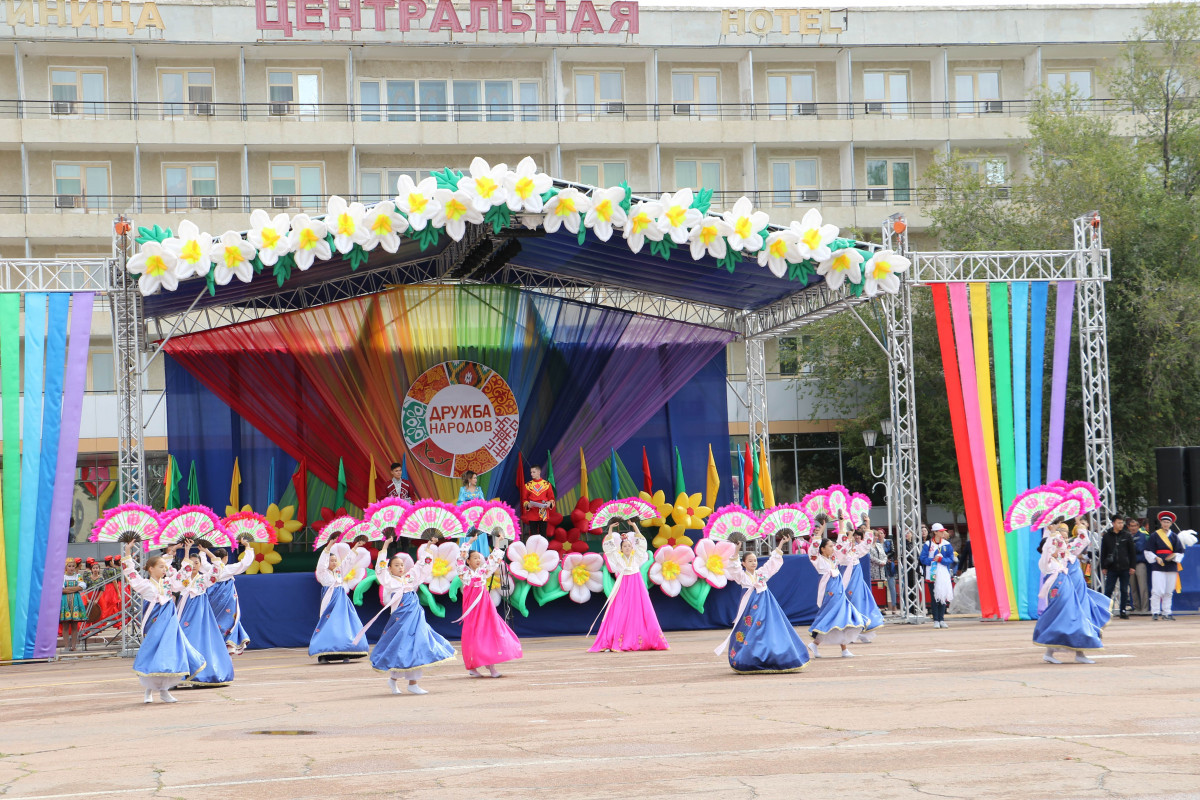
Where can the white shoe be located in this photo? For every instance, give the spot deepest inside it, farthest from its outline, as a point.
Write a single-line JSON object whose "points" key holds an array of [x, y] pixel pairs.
{"points": [[945, 624], [474, 673], [495, 672], [166, 697], [414, 689], [395, 687], [1080, 658], [1050, 659], [149, 696], [816, 653], [847, 654]]}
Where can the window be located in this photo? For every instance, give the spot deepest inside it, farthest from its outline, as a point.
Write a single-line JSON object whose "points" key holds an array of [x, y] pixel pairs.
{"points": [[467, 101], [77, 91], [293, 93], [695, 93], [380, 184], [297, 185], [185, 184], [599, 92], [794, 182], [886, 93], [886, 176], [81, 186], [791, 94], [432, 95], [1079, 81], [977, 93], [104, 377], [602, 173], [394, 101], [186, 92], [498, 100], [994, 169], [698, 175], [529, 101], [789, 363]]}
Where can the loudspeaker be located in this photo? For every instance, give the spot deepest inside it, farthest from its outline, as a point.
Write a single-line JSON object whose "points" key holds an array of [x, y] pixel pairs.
{"points": [[1183, 517], [1172, 480], [1192, 459]]}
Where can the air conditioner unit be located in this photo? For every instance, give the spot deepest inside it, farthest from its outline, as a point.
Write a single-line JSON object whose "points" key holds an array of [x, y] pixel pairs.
{"points": [[874, 108], [203, 109], [991, 106], [62, 107], [614, 108], [808, 195], [280, 109], [807, 109], [68, 201], [877, 195], [208, 203], [682, 109], [281, 201], [1002, 192]]}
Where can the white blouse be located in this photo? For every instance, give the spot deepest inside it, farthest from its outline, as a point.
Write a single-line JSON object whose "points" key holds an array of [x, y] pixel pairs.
{"points": [[622, 564]]}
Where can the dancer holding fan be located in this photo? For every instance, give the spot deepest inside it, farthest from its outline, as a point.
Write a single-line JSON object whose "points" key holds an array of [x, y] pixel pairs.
{"points": [[1066, 622], [198, 623], [858, 591], [245, 528], [338, 570], [763, 639], [629, 621], [838, 621], [486, 639]]}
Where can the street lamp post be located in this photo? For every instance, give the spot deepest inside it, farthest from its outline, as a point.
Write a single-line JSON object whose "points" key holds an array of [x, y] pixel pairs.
{"points": [[884, 475]]}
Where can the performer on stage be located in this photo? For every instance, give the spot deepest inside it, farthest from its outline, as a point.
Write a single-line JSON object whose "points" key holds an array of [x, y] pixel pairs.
{"points": [[222, 597], [71, 613], [165, 656], [400, 486], [763, 639], [1079, 545], [1066, 622], [407, 644], [486, 640], [537, 499], [339, 572], [1163, 555], [838, 621], [467, 492], [629, 621], [937, 556], [198, 623], [858, 591]]}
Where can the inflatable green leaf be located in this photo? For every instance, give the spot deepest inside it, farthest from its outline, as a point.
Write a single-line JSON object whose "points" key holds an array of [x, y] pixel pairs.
{"points": [[551, 591]]}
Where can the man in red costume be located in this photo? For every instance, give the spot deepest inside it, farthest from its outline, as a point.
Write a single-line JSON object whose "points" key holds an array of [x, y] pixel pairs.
{"points": [[537, 499]]}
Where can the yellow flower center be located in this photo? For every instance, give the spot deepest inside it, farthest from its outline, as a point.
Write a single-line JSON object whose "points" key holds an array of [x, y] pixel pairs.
{"points": [[532, 562], [233, 256], [350, 575], [811, 238], [715, 564], [778, 248], [417, 203], [308, 239], [191, 251], [345, 224], [493, 581], [708, 234], [675, 215], [581, 575], [742, 227], [455, 209], [882, 270], [565, 207], [440, 567], [156, 266], [382, 226], [269, 238], [524, 187], [604, 210], [670, 570], [841, 263], [485, 186], [641, 221]]}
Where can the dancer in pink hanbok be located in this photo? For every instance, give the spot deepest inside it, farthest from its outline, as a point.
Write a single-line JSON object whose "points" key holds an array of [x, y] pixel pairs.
{"points": [[629, 620], [486, 640]]}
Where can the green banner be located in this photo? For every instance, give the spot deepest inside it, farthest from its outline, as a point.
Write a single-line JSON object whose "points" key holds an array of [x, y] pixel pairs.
{"points": [[1002, 361], [10, 389]]}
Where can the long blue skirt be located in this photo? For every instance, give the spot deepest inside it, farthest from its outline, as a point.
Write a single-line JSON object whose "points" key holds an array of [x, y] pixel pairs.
{"points": [[407, 641], [336, 628], [1067, 621], [200, 627], [838, 621], [223, 599], [165, 651], [764, 640], [858, 592], [1099, 607]]}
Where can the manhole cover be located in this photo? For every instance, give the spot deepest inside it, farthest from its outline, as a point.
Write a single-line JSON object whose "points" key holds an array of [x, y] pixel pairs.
{"points": [[283, 733]]}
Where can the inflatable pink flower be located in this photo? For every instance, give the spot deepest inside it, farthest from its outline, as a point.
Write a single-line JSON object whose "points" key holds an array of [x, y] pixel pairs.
{"points": [[532, 560], [712, 561], [442, 558], [673, 569], [582, 574]]}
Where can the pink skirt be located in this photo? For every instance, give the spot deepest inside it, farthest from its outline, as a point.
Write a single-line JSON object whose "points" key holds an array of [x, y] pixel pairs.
{"points": [[486, 639], [630, 623]]}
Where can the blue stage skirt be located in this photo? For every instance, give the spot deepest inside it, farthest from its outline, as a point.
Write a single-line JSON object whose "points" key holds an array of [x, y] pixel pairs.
{"points": [[338, 625], [165, 652], [200, 627], [858, 592], [1067, 622], [407, 641], [1099, 607], [223, 599], [838, 621], [763, 639]]}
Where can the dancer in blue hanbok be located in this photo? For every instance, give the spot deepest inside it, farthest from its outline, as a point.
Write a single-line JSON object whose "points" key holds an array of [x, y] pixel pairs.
{"points": [[858, 591], [200, 626], [838, 621], [165, 657], [407, 644], [223, 598], [762, 640], [1066, 623], [339, 570], [1098, 606]]}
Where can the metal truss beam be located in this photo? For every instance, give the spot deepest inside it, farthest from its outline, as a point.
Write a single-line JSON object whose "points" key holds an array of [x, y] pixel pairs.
{"points": [[814, 303], [756, 392], [1008, 265], [56, 275]]}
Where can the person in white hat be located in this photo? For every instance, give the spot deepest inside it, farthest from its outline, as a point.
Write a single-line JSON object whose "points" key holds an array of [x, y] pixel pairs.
{"points": [[939, 561], [1163, 553]]}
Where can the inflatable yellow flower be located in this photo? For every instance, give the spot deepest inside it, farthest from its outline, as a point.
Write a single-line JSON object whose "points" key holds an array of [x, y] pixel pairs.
{"points": [[265, 558], [659, 501], [281, 520], [688, 512], [671, 536]]}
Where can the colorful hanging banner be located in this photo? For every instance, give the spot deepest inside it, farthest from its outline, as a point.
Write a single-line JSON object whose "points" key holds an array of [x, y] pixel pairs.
{"points": [[1002, 379], [10, 484], [31, 452], [1064, 306], [1026, 591]]}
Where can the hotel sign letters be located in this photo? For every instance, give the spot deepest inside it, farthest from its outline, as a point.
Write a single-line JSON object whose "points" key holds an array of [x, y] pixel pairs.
{"points": [[788, 21]]}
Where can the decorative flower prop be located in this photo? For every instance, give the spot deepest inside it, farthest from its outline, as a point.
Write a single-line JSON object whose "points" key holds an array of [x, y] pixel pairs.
{"points": [[158, 267], [673, 569], [345, 222], [307, 240], [270, 236], [688, 512], [232, 255], [191, 248], [678, 217], [384, 227], [781, 247], [532, 560], [842, 265], [671, 536], [581, 515], [882, 272], [712, 561], [745, 223], [566, 542], [581, 575], [485, 185], [265, 558], [442, 558], [709, 237], [642, 224], [813, 236], [525, 187], [661, 507], [499, 585], [456, 210], [281, 519], [564, 209], [606, 212], [417, 201]]}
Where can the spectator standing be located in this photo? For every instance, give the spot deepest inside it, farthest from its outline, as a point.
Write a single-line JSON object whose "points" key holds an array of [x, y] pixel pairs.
{"points": [[1140, 588], [879, 561], [1118, 555]]}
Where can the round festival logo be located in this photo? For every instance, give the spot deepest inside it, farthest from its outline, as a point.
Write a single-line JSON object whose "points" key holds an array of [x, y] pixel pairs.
{"points": [[459, 416]]}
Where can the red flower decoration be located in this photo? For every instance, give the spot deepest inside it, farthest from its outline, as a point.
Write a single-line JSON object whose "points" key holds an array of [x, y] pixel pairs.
{"points": [[581, 516], [566, 542]]}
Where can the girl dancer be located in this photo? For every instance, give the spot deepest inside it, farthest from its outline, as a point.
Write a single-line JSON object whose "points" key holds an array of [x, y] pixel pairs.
{"points": [[407, 644], [1079, 543], [71, 614], [629, 620], [858, 591], [937, 556], [1066, 623], [165, 656], [486, 640], [223, 598], [198, 623], [339, 571], [838, 621], [763, 640]]}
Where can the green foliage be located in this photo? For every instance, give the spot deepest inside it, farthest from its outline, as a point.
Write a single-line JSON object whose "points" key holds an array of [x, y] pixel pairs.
{"points": [[498, 217], [155, 234], [730, 261], [447, 179], [427, 237], [703, 200], [627, 203], [211, 279], [282, 270], [661, 248], [357, 257], [257, 264]]}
